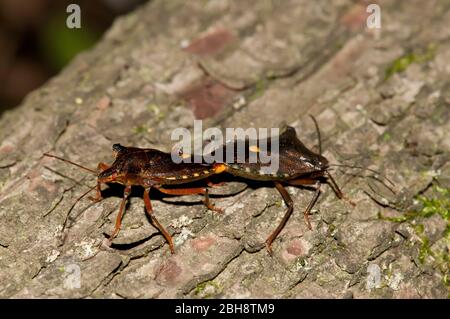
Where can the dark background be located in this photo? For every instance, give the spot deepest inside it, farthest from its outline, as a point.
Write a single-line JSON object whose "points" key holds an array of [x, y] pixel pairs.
{"points": [[36, 44]]}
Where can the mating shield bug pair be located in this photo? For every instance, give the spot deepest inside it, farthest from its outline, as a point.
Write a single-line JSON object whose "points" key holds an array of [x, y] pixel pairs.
{"points": [[154, 169]]}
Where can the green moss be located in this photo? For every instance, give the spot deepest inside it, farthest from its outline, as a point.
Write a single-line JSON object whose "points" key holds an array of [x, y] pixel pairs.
{"points": [[386, 137], [201, 288], [279, 203], [424, 249], [399, 219], [259, 89], [419, 229], [402, 63], [140, 129], [430, 206], [447, 230], [436, 205], [156, 111], [331, 228]]}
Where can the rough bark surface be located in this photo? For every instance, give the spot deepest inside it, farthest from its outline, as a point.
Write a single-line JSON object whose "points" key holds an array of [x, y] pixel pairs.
{"points": [[381, 97]]}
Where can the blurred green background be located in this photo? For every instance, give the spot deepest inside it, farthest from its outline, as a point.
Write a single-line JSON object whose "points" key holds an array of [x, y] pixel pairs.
{"points": [[35, 43]]}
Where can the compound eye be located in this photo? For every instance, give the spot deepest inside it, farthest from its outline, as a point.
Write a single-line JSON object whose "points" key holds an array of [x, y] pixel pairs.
{"points": [[117, 148]]}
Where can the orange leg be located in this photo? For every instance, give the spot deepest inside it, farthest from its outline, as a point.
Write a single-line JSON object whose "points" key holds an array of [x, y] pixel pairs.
{"points": [[192, 191], [126, 193], [149, 210], [311, 205], [302, 181], [102, 166], [182, 191], [308, 181], [330, 181], [210, 205], [288, 200], [290, 204], [98, 196], [337, 190]]}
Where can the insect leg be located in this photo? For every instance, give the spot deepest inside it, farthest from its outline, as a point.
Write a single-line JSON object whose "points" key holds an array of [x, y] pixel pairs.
{"points": [[98, 196], [192, 191], [337, 190], [311, 205], [210, 205], [308, 181], [302, 181], [182, 191], [102, 166], [126, 193], [98, 193], [149, 210], [334, 186], [288, 200]]}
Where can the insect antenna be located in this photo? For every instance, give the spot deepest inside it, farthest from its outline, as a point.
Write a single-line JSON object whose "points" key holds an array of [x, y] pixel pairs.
{"points": [[365, 169], [370, 170], [330, 178], [73, 205], [70, 162], [318, 133]]}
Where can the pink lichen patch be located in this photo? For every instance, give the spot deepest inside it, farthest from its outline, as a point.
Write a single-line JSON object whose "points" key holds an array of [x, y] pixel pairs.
{"points": [[202, 243], [207, 98], [103, 103], [40, 183], [355, 18], [6, 148], [37, 182], [213, 42], [168, 272], [295, 248]]}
